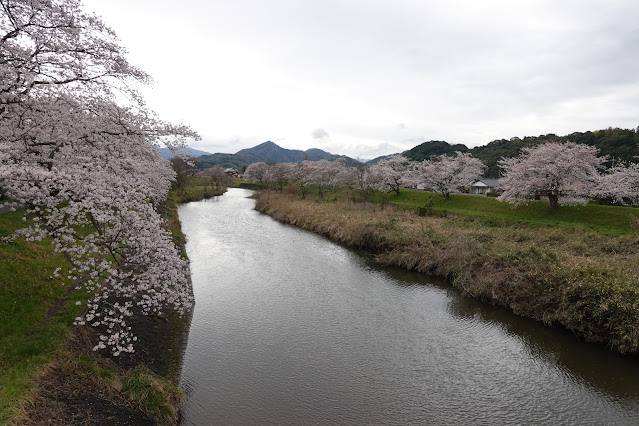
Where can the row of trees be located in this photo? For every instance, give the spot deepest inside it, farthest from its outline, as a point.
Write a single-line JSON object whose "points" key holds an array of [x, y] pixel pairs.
{"points": [[78, 152], [443, 174], [567, 173], [564, 172]]}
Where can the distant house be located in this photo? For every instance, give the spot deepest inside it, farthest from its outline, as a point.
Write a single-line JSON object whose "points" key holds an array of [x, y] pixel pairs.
{"points": [[483, 186], [232, 172]]}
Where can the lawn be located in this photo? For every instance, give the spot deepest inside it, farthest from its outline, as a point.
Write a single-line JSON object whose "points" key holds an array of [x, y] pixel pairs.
{"points": [[37, 310], [31, 335], [609, 220]]}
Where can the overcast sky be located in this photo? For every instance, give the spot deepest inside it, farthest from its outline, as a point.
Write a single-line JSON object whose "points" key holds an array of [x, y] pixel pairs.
{"points": [[372, 77]]}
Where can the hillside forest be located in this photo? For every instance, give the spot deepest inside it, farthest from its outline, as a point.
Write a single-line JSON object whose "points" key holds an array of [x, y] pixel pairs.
{"points": [[619, 145]]}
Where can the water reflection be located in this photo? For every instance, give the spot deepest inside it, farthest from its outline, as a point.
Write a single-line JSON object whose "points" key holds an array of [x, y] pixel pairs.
{"points": [[593, 364], [292, 329], [161, 344]]}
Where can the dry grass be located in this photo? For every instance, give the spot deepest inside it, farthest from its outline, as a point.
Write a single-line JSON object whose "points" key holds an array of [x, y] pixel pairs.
{"points": [[582, 280]]}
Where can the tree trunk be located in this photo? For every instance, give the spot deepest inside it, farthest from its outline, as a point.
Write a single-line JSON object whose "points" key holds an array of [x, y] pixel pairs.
{"points": [[553, 197]]}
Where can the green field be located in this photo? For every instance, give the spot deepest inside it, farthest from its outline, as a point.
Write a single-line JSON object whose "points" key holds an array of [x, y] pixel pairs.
{"points": [[609, 220], [196, 188], [37, 311], [30, 336]]}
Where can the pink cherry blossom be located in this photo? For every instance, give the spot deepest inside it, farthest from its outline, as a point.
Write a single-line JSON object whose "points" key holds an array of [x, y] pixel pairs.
{"points": [[445, 174], [78, 149], [621, 183], [565, 173], [392, 172]]}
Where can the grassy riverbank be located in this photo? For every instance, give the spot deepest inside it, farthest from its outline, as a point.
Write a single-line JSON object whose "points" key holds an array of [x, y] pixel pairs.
{"points": [[49, 372], [606, 220], [196, 188], [30, 338], [583, 278]]}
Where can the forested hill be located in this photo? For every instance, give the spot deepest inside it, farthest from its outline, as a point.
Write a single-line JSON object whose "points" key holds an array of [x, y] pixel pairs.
{"points": [[425, 151], [267, 152], [618, 144], [428, 149]]}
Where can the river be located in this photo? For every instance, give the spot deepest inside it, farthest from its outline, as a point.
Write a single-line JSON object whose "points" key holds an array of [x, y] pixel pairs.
{"points": [[290, 328]]}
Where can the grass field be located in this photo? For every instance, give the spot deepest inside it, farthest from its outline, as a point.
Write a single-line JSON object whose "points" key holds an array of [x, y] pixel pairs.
{"points": [[196, 188], [609, 220], [31, 335], [37, 310]]}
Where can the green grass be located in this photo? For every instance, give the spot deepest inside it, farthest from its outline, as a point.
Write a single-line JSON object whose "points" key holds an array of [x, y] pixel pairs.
{"points": [[155, 396], [236, 182], [28, 342], [610, 220], [607, 220], [196, 188], [31, 338], [169, 211], [151, 394]]}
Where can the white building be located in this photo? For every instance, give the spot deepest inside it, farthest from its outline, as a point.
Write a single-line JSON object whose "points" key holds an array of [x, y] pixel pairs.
{"points": [[483, 186]]}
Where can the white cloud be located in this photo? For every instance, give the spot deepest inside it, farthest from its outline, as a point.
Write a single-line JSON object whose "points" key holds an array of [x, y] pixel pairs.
{"points": [[469, 72], [319, 134]]}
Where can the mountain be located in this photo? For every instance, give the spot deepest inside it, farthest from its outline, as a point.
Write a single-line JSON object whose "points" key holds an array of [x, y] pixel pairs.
{"points": [[617, 144], [381, 157], [270, 152], [225, 160], [267, 152], [191, 152], [424, 151], [428, 149]]}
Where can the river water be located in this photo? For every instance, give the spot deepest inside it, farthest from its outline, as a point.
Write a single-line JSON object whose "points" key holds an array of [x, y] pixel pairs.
{"points": [[290, 328]]}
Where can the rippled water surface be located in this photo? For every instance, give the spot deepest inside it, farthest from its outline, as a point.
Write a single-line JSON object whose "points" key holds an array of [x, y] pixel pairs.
{"points": [[290, 328]]}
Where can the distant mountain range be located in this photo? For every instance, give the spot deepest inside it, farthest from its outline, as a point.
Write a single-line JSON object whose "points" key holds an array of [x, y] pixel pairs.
{"points": [[191, 152], [617, 144], [267, 152], [426, 150]]}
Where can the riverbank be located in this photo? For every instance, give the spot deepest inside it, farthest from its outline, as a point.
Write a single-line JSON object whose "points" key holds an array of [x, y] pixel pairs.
{"points": [[50, 373], [582, 280]]}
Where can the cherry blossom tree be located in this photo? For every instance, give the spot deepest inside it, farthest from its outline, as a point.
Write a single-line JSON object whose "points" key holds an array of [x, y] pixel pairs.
{"points": [[280, 173], [323, 174], [215, 175], [373, 179], [299, 174], [394, 171], [351, 176], [342, 173], [567, 173], [78, 152], [258, 172], [365, 179], [445, 174], [620, 183]]}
